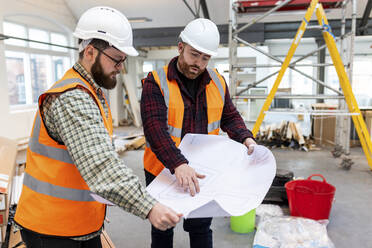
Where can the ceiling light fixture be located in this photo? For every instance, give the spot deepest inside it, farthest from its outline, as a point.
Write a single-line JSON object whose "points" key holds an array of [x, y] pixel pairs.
{"points": [[139, 19]]}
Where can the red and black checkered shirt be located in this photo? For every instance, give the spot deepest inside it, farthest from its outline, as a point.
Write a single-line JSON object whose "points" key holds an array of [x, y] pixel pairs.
{"points": [[154, 117]]}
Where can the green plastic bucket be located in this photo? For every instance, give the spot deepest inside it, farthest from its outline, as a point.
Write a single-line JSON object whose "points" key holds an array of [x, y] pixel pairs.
{"points": [[244, 223]]}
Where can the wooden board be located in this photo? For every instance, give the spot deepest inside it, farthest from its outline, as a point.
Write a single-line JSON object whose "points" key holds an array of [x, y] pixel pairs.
{"points": [[106, 241]]}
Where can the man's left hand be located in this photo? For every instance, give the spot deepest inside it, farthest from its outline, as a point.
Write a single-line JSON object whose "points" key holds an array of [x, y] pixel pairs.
{"points": [[249, 143]]}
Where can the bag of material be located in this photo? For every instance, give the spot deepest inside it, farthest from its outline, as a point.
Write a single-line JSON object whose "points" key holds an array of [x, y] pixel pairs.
{"points": [[292, 232]]}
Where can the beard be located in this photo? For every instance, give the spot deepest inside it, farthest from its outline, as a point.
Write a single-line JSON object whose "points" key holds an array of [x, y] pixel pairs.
{"points": [[103, 80], [186, 69]]}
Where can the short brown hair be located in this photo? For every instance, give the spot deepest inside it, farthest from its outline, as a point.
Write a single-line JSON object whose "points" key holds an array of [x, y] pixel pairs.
{"points": [[100, 44]]}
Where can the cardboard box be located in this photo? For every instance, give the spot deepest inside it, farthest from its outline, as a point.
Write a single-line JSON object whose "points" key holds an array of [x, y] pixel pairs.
{"points": [[15, 239], [8, 152], [324, 126], [367, 116], [2, 234], [3, 210]]}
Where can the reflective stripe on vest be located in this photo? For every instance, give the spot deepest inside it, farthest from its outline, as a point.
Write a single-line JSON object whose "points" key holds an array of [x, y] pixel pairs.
{"points": [[56, 154], [56, 191], [215, 99], [217, 80], [173, 131], [215, 125], [177, 132], [67, 82], [47, 151], [55, 198]]}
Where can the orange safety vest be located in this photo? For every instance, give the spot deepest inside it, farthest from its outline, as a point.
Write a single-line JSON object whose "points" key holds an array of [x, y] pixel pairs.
{"points": [[215, 92], [55, 199]]}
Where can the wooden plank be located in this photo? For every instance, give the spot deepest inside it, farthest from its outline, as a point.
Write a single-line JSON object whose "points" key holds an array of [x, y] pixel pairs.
{"points": [[129, 136], [15, 239], [136, 143], [106, 241], [301, 140]]}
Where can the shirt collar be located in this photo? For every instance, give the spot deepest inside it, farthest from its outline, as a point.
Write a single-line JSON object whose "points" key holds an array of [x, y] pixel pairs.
{"points": [[87, 76]]}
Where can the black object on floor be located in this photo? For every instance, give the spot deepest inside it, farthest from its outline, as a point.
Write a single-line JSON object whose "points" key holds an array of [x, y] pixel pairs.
{"points": [[277, 194]]}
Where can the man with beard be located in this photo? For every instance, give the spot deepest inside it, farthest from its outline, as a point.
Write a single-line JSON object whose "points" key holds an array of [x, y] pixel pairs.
{"points": [[71, 155], [186, 97]]}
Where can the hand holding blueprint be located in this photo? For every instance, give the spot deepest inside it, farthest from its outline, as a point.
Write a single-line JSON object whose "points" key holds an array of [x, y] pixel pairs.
{"points": [[235, 182]]}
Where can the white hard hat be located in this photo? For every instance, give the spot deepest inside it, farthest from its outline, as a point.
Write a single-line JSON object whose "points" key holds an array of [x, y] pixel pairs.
{"points": [[107, 24], [202, 34]]}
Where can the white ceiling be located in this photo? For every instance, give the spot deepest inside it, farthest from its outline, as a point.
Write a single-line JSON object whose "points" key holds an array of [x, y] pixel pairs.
{"points": [[174, 13]]}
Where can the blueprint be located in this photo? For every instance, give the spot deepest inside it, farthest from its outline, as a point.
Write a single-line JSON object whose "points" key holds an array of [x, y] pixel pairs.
{"points": [[235, 182]]}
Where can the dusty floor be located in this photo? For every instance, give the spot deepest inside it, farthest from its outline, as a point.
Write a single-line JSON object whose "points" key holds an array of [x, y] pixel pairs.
{"points": [[350, 220]]}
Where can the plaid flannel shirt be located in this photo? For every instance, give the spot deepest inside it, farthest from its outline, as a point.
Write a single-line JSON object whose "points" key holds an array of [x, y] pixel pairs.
{"points": [[195, 120]]}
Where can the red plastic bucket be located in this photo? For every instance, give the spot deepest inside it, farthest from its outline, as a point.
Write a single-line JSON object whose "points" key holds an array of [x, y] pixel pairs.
{"points": [[310, 198]]}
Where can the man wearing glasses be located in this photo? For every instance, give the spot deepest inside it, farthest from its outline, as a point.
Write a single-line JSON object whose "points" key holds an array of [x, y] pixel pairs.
{"points": [[70, 154]]}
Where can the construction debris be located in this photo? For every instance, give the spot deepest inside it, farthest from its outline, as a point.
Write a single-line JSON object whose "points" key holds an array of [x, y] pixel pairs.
{"points": [[346, 163], [129, 142], [338, 151], [287, 134], [277, 193], [136, 143]]}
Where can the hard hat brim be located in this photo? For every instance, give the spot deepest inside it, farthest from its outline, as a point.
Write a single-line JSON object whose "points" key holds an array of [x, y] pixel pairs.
{"points": [[131, 51], [128, 50]]}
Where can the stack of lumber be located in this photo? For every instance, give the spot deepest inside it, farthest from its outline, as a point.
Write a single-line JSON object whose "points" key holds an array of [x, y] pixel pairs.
{"points": [[286, 134], [129, 142]]}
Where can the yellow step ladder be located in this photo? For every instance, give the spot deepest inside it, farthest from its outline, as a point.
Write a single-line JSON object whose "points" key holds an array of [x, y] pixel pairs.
{"points": [[357, 118]]}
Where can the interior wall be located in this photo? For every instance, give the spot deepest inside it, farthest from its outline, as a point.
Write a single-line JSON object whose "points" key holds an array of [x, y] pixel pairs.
{"points": [[118, 109], [52, 15], [55, 16]]}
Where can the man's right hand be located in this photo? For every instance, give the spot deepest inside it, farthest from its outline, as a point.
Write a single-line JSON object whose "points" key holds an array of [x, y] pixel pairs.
{"points": [[187, 178], [162, 217]]}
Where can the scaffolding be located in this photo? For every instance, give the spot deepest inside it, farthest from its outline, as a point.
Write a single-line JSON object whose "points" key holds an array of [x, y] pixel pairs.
{"points": [[237, 10]]}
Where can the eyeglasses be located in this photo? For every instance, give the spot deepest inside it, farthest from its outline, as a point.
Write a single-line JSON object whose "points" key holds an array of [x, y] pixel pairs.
{"points": [[117, 62]]}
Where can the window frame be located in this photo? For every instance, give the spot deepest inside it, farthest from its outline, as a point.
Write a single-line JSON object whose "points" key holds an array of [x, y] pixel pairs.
{"points": [[27, 51]]}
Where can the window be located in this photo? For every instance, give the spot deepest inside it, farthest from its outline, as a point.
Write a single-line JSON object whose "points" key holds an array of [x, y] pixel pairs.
{"points": [[37, 67], [16, 79], [295, 83], [15, 30], [147, 67], [286, 80], [58, 39], [60, 66], [150, 65], [38, 35], [362, 78]]}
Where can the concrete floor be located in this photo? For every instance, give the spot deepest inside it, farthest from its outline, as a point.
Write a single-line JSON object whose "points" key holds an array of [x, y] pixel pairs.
{"points": [[350, 220]]}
